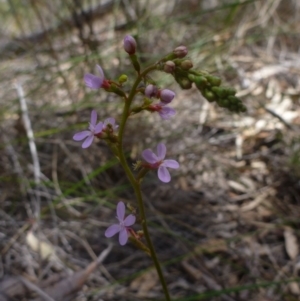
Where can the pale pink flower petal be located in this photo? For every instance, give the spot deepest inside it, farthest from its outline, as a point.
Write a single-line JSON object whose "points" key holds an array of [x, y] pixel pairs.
{"points": [[88, 141], [163, 174], [123, 237], [98, 128], [171, 164], [149, 156], [92, 81], [166, 112], [129, 220], [81, 135], [112, 230], [120, 211], [161, 151], [100, 70]]}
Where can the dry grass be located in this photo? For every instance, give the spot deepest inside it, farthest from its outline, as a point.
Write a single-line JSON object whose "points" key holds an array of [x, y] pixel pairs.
{"points": [[226, 228]]}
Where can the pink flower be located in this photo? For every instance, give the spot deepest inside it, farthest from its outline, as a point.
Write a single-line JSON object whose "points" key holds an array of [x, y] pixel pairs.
{"points": [[122, 226], [158, 162], [94, 129], [108, 126], [162, 109], [96, 82], [129, 44]]}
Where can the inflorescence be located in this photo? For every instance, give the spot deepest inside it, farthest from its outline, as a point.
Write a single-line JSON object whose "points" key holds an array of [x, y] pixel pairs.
{"points": [[154, 99]]}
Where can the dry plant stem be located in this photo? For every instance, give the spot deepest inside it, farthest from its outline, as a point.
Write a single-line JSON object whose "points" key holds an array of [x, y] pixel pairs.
{"points": [[136, 183]]}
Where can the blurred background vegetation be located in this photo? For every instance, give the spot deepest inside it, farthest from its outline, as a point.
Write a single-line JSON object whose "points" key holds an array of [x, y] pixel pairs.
{"points": [[227, 226]]}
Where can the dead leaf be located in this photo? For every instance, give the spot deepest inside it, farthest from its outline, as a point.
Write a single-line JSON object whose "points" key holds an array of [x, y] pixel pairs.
{"points": [[291, 244]]}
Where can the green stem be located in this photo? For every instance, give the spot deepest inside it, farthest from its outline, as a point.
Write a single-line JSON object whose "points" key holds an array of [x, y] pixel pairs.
{"points": [[136, 184], [128, 102]]}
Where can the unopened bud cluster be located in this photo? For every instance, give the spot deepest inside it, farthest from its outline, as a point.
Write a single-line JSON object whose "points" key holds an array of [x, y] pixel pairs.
{"points": [[211, 89], [210, 86]]}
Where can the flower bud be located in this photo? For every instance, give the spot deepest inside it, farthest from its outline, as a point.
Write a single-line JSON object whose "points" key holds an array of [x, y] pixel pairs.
{"points": [[129, 44], [191, 77], [180, 51], [122, 79], [223, 103], [169, 67], [166, 95], [184, 83], [209, 95], [201, 82], [151, 91], [213, 80], [219, 91], [186, 64], [230, 91]]}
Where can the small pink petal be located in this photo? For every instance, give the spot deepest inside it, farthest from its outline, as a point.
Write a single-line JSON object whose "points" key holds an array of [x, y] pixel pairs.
{"points": [[163, 174], [92, 81], [98, 128], [81, 135], [161, 151], [88, 141], [170, 163], [112, 230], [149, 156], [120, 211], [129, 220], [100, 71], [93, 118], [166, 112], [123, 237]]}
